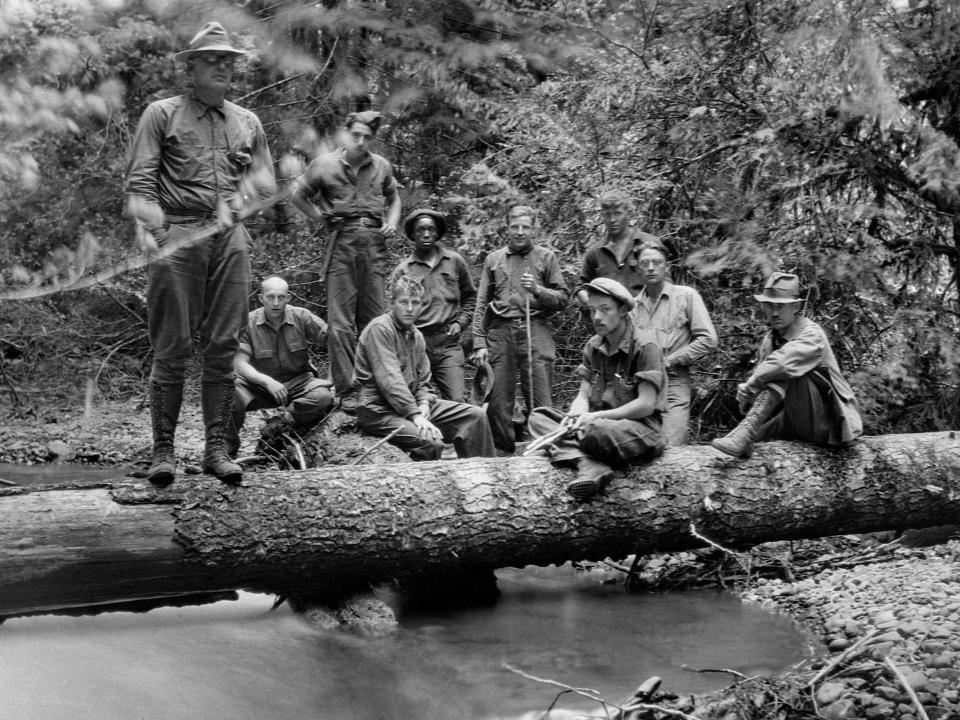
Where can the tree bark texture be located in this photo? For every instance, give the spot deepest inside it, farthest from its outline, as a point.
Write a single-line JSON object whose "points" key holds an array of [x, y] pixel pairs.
{"points": [[332, 531]]}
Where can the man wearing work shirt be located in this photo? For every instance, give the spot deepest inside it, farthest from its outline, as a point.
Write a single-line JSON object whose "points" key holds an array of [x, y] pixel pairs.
{"points": [[521, 285], [273, 363], [196, 164], [357, 201], [450, 298], [396, 398], [678, 318], [618, 256]]}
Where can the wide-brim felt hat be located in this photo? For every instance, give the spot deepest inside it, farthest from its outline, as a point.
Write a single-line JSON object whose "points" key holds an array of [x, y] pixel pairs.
{"points": [[211, 38], [482, 384], [780, 288], [437, 217]]}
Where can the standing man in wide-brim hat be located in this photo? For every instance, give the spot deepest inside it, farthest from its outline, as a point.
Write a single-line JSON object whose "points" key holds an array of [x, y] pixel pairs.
{"points": [[450, 299], [197, 162], [796, 391]]}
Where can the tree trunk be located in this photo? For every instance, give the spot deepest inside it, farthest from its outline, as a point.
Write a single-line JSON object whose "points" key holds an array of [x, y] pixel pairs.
{"points": [[332, 531]]}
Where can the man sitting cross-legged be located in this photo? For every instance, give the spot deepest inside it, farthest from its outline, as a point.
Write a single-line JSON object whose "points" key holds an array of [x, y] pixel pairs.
{"points": [[393, 375], [616, 415], [273, 364]]}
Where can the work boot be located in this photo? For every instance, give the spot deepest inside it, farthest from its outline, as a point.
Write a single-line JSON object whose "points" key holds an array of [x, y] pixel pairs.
{"points": [[165, 400], [216, 401], [592, 477], [739, 441]]}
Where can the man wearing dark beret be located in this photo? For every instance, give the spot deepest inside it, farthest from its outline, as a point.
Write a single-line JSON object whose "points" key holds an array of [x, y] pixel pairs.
{"points": [[616, 415], [353, 193], [449, 302]]}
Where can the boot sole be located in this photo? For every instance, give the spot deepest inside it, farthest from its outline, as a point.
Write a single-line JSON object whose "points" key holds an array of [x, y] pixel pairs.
{"points": [[161, 479], [726, 452]]}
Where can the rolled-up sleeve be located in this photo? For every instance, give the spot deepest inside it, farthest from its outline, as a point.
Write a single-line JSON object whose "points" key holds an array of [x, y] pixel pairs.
{"points": [[649, 367]]}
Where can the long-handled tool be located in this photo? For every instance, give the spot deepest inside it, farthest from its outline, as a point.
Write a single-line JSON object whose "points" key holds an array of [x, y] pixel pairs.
{"points": [[529, 352]]}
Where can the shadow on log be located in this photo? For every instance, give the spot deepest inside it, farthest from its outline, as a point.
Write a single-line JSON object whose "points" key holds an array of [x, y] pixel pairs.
{"points": [[334, 531]]}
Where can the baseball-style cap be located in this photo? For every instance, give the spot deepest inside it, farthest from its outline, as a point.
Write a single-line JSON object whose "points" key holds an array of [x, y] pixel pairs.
{"points": [[211, 38], [438, 218], [608, 286], [780, 288]]}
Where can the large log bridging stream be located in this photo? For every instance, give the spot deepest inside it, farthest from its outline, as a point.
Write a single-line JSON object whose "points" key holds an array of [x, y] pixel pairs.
{"points": [[332, 531]]}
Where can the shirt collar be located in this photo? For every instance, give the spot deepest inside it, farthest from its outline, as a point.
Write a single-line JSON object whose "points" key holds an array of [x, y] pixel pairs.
{"points": [[798, 329], [261, 318], [623, 346], [533, 246], [442, 253], [368, 158], [667, 289], [200, 107]]}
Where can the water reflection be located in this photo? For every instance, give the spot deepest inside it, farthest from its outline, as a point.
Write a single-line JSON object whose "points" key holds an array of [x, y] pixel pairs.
{"points": [[239, 660]]}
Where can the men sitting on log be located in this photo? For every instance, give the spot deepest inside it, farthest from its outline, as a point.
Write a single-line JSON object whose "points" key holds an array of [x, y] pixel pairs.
{"points": [[396, 398], [273, 364], [796, 391], [521, 285], [450, 298], [616, 415]]}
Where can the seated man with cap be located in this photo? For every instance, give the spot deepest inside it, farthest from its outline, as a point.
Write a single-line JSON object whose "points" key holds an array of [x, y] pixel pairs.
{"points": [[616, 415], [450, 298], [273, 365], [796, 391]]}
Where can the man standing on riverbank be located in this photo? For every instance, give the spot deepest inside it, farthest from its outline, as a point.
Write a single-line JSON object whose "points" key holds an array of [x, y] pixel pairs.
{"points": [[521, 285], [197, 162], [396, 399], [450, 298], [615, 417], [359, 206], [617, 257], [273, 364], [796, 391], [681, 324]]}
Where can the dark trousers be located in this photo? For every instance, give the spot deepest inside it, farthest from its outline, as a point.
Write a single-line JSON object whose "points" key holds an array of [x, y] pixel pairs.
{"points": [[446, 364], [810, 413], [462, 424], [507, 345], [308, 399], [615, 442], [355, 295], [198, 291]]}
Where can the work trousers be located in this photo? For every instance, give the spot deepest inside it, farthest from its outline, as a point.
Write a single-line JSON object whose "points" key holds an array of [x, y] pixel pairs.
{"points": [[462, 424], [676, 419], [615, 442], [355, 295], [308, 399], [507, 345], [198, 291], [446, 364], [810, 412]]}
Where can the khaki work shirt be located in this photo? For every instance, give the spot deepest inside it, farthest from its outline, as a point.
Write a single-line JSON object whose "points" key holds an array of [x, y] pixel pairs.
{"points": [[601, 261], [392, 369], [500, 294], [680, 322], [806, 348], [190, 156], [282, 353], [341, 191], [451, 295], [615, 374]]}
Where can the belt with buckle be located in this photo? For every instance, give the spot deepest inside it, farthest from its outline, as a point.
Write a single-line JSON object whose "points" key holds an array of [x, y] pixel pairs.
{"points": [[369, 222], [188, 216]]}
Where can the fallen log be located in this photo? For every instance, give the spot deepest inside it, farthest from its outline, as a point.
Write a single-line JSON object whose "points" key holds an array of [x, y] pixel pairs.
{"points": [[332, 531]]}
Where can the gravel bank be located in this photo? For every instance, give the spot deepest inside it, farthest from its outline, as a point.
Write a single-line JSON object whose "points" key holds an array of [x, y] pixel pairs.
{"points": [[893, 631]]}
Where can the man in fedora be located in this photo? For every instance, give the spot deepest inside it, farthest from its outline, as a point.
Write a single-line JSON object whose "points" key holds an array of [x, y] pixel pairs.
{"points": [[616, 416], [450, 298], [796, 391], [196, 165], [358, 205]]}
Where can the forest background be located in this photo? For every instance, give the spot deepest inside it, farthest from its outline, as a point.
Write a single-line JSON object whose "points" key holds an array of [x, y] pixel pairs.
{"points": [[817, 137]]}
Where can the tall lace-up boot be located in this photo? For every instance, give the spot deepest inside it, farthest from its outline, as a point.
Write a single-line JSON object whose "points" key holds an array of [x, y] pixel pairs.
{"points": [[216, 401], [165, 400], [739, 441]]}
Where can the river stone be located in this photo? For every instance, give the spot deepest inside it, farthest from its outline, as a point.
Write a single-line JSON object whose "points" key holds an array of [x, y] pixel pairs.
{"points": [[830, 692], [836, 644], [912, 627], [941, 661], [916, 680], [940, 713], [58, 449], [951, 675], [883, 618], [934, 647], [879, 712], [886, 692], [844, 709], [888, 637]]}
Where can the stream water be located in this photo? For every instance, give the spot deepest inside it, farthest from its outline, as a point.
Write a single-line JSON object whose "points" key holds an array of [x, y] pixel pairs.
{"points": [[240, 660]]}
